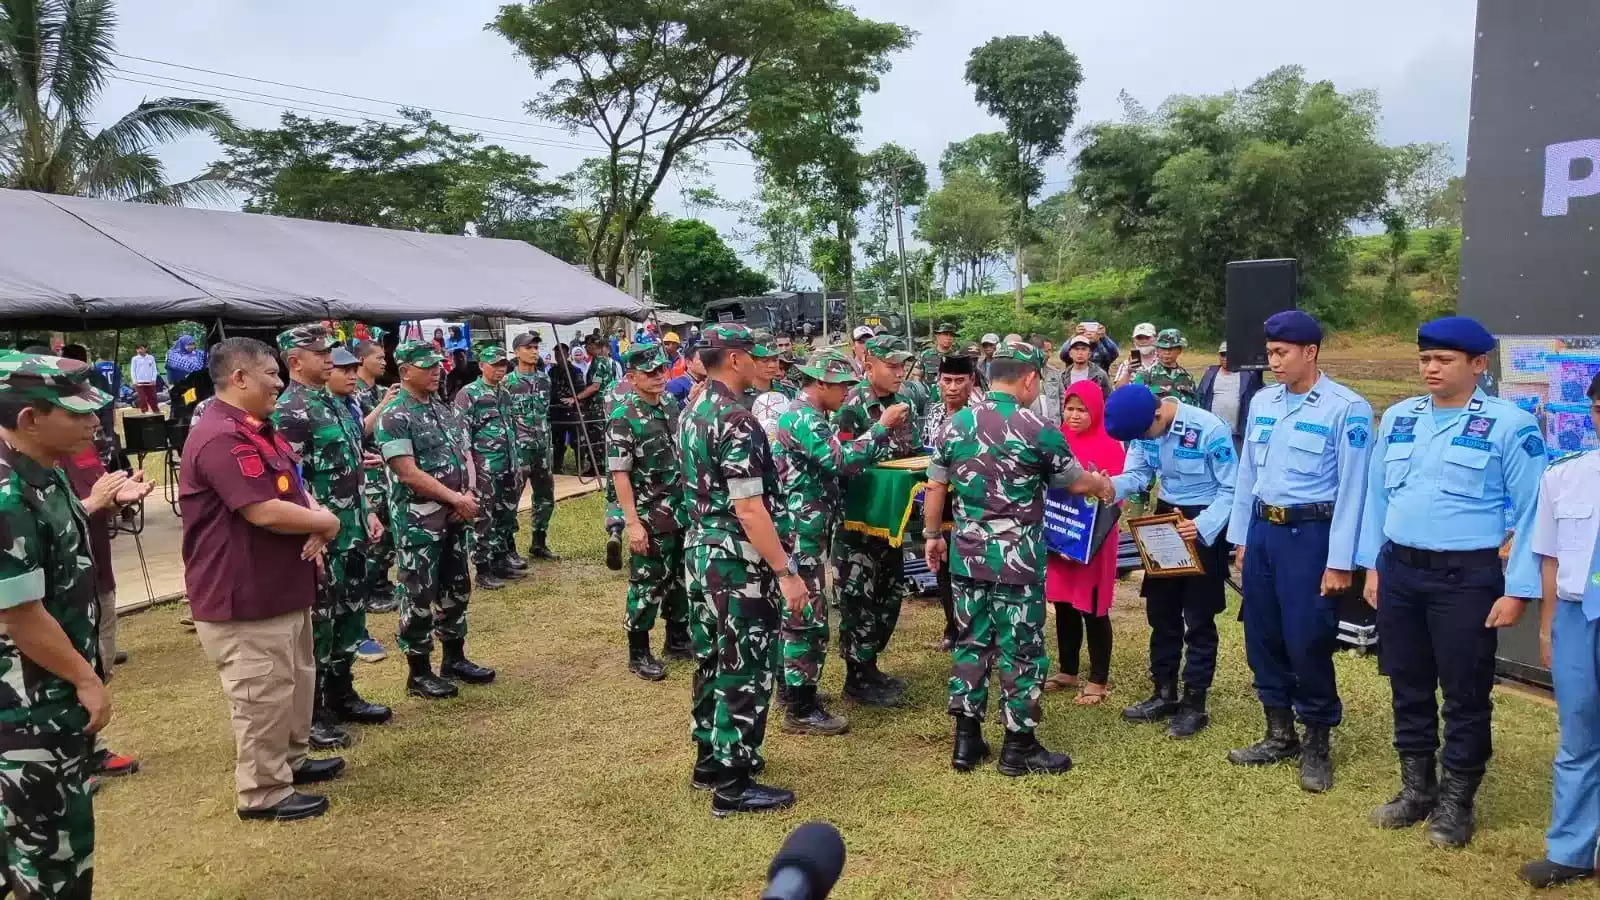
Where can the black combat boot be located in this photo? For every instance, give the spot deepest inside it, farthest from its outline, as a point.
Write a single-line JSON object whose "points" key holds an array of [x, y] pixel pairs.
{"points": [[455, 665], [1316, 763], [1452, 823], [505, 571], [860, 688], [889, 683], [640, 660], [804, 715], [737, 792], [678, 645], [613, 550], [1164, 702], [1022, 754], [706, 770], [1281, 742], [971, 749], [349, 706], [325, 731], [539, 549], [385, 603], [1191, 716], [1419, 794], [423, 683], [487, 580], [515, 560], [1545, 873]]}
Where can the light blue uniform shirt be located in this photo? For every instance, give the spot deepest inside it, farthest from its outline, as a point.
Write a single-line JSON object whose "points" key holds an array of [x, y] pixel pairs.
{"points": [[1310, 450], [1197, 465], [1443, 484]]}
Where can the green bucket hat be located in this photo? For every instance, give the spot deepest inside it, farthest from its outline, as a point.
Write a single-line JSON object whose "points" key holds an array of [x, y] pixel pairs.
{"points": [[491, 354], [947, 328], [421, 354], [1170, 339], [62, 382], [888, 347], [829, 367], [1021, 351], [305, 337], [644, 357]]}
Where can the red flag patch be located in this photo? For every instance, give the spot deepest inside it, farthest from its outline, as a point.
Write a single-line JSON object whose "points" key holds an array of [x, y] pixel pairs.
{"points": [[250, 464]]}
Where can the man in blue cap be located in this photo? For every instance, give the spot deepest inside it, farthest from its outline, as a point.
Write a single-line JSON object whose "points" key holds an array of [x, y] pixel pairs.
{"points": [[1192, 451], [1447, 466], [1296, 517]]}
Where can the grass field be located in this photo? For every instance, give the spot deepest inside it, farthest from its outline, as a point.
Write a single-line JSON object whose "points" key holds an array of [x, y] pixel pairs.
{"points": [[569, 778]]}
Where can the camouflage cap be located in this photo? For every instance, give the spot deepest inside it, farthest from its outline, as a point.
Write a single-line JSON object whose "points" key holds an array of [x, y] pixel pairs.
{"points": [[829, 367], [421, 354], [491, 354], [727, 336], [1170, 338], [889, 348], [62, 382], [644, 357], [305, 337], [1021, 351], [766, 344], [946, 328]]}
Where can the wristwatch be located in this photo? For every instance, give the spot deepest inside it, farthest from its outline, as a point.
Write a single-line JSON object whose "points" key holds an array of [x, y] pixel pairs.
{"points": [[793, 568]]}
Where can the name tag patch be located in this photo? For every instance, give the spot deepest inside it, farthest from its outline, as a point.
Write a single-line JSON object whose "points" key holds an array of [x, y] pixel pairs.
{"points": [[1312, 428], [1474, 443]]}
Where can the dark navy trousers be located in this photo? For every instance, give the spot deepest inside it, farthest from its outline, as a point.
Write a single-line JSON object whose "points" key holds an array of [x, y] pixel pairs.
{"points": [[1290, 630], [1432, 638]]}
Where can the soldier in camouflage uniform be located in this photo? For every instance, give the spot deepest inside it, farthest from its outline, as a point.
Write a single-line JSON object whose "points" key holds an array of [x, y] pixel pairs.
{"points": [[811, 460], [432, 504], [867, 571], [605, 376], [997, 457], [377, 589], [642, 457], [52, 698], [769, 368], [327, 441], [732, 550], [528, 386], [1166, 378], [485, 409], [944, 346]]}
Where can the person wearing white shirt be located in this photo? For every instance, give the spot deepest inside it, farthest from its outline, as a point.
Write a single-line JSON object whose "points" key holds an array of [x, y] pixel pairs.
{"points": [[144, 379]]}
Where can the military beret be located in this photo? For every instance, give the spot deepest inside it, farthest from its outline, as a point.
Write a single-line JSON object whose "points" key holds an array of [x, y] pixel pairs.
{"points": [[1170, 339], [525, 339], [727, 336], [958, 364], [421, 354], [946, 328], [888, 347], [1021, 351], [54, 379], [766, 344], [644, 357], [491, 354], [343, 357], [1455, 333], [305, 337], [1293, 327], [1130, 411], [829, 367]]}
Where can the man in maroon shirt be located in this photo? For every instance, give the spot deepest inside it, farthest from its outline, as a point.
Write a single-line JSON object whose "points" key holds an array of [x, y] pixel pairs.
{"points": [[252, 538]]}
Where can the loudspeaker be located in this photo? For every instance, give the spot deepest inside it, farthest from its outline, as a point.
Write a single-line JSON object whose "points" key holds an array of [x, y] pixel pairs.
{"points": [[1257, 288]]}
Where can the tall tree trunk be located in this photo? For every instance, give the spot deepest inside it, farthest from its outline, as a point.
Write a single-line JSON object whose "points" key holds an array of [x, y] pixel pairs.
{"points": [[1017, 275]]}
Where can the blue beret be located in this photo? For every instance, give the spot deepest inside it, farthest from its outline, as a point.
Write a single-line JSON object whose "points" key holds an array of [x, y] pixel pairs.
{"points": [[1293, 327], [1130, 411], [1455, 333]]}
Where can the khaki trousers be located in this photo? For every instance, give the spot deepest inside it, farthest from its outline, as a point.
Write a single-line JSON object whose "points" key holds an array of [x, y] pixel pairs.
{"points": [[269, 674], [108, 632]]}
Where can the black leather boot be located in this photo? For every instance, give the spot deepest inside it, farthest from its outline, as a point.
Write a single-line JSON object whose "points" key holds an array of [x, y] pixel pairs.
{"points": [[859, 687], [613, 550], [1164, 702], [515, 560], [706, 770], [1453, 821], [505, 571], [737, 792], [1191, 716], [678, 645], [640, 660], [1281, 742], [1419, 794], [1316, 763], [539, 549], [804, 715], [325, 731], [423, 683], [971, 749], [386, 603], [349, 706], [889, 683], [1022, 754], [455, 665], [487, 580], [1545, 873]]}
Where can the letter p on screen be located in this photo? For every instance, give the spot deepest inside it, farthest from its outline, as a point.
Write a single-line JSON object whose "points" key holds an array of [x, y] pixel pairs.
{"points": [[1560, 183]]}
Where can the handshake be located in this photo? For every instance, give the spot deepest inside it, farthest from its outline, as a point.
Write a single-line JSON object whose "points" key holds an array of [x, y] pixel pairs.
{"points": [[1094, 484]]}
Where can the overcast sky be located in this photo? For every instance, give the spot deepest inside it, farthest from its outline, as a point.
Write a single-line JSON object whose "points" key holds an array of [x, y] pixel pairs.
{"points": [[1416, 53]]}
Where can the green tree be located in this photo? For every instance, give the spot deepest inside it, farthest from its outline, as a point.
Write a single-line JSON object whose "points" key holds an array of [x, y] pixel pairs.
{"points": [[783, 235], [985, 154], [965, 222], [894, 177], [55, 59], [1031, 84], [692, 266], [1422, 183]]}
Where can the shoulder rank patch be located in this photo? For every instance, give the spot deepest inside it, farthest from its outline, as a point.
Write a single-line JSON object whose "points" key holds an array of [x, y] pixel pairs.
{"points": [[1221, 450], [249, 460], [1533, 445]]}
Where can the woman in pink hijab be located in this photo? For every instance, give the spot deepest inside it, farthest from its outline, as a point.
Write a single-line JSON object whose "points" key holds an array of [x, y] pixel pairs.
{"points": [[1083, 593]]}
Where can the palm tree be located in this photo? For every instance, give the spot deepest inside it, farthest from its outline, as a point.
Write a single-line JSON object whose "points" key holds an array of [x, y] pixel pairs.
{"points": [[55, 58]]}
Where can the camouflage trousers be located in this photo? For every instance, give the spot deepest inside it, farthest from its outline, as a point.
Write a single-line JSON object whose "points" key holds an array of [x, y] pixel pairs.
{"points": [[655, 584], [434, 588], [805, 636], [380, 554], [533, 471], [867, 576], [496, 527], [1005, 620], [339, 615], [49, 821], [732, 621]]}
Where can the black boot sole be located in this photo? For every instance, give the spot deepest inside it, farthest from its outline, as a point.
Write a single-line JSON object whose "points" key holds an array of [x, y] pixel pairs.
{"points": [[614, 555], [429, 695], [1020, 771], [1180, 734], [1256, 763], [365, 718], [723, 813], [967, 765], [465, 679], [792, 726], [647, 676]]}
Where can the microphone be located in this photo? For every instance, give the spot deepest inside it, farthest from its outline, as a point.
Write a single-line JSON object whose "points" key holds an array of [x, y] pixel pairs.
{"points": [[807, 865]]}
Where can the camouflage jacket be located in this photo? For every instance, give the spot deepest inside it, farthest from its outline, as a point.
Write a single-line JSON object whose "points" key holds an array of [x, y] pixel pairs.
{"points": [[486, 413], [641, 441], [810, 461], [46, 557], [606, 373], [998, 458], [724, 456], [319, 431], [861, 410], [374, 481], [1169, 381], [530, 409], [431, 433], [779, 386], [928, 363]]}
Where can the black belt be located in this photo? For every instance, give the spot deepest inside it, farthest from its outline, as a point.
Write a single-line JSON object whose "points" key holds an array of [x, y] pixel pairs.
{"points": [[1444, 559], [1293, 515]]}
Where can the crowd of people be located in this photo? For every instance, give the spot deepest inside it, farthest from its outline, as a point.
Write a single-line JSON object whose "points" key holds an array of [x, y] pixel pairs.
{"points": [[304, 483]]}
